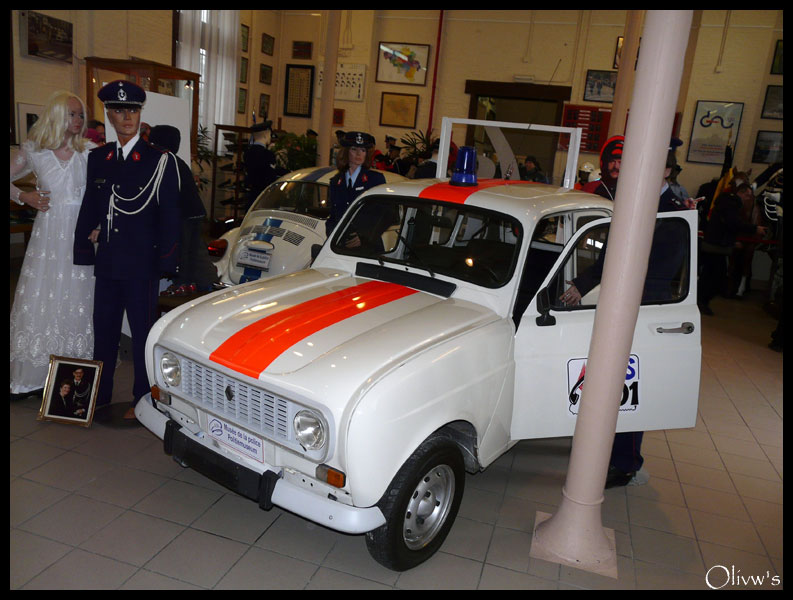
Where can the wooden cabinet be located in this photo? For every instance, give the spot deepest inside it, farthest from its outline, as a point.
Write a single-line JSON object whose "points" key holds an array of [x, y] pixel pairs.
{"points": [[151, 76], [229, 194]]}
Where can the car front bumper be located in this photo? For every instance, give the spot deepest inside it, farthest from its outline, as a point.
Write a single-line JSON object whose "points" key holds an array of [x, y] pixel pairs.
{"points": [[267, 488]]}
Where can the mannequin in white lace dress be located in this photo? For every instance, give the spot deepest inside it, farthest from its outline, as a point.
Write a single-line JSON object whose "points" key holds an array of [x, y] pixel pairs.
{"points": [[53, 301]]}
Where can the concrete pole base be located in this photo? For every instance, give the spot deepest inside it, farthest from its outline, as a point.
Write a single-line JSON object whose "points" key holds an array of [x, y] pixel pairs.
{"points": [[575, 537]]}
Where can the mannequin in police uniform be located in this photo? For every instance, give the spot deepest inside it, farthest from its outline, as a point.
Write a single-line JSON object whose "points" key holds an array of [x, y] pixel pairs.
{"points": [[353, 160], [131, 210], [259, 162]]}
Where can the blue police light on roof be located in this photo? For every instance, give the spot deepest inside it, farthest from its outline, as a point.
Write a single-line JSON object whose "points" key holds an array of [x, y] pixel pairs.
{"points": [[464, 173]]}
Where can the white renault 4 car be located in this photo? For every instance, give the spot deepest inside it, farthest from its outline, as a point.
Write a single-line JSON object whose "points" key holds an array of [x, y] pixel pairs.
{"points": [[279, 229], [359, 392]]}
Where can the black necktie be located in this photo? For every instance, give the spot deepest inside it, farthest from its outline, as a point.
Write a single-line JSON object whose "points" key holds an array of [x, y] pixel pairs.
{"points": [[349, 183], [120, 155]]}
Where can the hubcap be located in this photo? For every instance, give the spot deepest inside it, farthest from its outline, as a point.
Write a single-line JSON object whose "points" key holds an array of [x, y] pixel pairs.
{"points": [[428, 507]]}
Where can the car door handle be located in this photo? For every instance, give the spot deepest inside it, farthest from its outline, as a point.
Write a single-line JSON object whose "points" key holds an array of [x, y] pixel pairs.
{"points": [[684, 328]]}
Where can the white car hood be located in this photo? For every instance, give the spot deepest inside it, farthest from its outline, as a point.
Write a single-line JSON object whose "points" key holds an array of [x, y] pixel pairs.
{"points": [[323, 318]]}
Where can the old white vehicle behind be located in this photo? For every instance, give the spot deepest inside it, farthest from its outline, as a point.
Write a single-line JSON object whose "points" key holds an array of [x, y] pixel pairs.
{"points": [[279, 228]]}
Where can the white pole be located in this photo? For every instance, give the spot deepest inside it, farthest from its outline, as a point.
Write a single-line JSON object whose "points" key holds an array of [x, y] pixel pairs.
{"points": [[575, 535], [328, 88]]}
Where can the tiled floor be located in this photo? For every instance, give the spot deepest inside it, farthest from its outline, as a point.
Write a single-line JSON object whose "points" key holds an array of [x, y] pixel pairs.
{"points": [[104, 508]]}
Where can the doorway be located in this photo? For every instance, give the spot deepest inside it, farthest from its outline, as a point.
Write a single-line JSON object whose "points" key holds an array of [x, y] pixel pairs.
{"points": [[517, 103]]}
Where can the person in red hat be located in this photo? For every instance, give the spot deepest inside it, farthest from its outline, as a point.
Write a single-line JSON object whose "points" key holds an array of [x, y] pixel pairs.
{"points": [[610, 162]]}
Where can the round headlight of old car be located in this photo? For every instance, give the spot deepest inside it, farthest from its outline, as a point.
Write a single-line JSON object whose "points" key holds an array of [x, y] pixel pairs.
{"points": [[171, 369], [309, 430]]}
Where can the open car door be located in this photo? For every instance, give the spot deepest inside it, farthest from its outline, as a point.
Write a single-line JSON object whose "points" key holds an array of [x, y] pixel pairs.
{"points": [[552, 340]]}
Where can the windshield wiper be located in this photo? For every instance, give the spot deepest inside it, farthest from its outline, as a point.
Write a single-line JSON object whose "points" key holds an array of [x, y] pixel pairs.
{"points": [[413, 253]]}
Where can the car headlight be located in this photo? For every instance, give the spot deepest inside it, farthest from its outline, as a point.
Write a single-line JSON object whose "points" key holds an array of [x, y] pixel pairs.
{"points": [[171, 369], [309, 430]]}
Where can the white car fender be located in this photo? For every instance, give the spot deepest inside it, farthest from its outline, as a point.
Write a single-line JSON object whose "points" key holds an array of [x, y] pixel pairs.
{"points": [[458, 380]]}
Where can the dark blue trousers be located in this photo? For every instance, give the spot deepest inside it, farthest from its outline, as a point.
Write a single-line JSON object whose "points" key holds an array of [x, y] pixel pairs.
{"points": [[111, 298], [626, 451]]}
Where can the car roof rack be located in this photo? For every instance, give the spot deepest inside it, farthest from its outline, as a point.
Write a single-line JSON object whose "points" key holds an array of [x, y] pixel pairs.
{"points": [[504, 150]]}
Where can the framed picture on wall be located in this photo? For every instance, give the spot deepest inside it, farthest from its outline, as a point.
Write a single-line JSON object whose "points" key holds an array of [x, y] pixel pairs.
{"points": [[618, 52], [772, 106], [402, 62], [264, 105], [399, 110], [265, 74], [43, 36], [302, 50], [299, 90], [268, 44], [244, 33], [27, 114], [338, 117], [716, 125], [776, 64], [242, 100], [243, 70], [600, 86], [767, 147], [70, 391]]}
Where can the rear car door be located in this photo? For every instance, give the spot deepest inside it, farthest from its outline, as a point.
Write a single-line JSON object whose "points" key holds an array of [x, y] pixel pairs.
{"points": [[552, 340]]}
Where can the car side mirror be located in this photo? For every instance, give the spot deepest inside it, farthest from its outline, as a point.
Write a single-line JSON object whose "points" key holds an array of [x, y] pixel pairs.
{"points": [[545, 319], [315, 248]]}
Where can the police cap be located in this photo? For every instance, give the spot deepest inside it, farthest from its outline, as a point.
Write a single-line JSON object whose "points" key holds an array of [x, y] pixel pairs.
{"points": [[120, 94], [358, 139], [263, 126]]}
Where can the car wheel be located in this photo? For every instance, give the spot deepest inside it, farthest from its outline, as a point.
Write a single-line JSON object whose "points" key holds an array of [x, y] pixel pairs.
{"points": [[419, 506]]}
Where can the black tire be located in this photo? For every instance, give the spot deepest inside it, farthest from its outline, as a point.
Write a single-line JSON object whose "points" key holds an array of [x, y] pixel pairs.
{"points": [[419, 506]]}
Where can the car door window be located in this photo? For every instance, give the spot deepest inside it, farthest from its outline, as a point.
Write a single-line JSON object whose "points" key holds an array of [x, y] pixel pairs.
{"points": [[667, 278], [547, 243]]}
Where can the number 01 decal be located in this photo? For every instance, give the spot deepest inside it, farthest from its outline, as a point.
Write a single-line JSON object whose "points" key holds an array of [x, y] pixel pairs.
{"points": [[576, 374]]}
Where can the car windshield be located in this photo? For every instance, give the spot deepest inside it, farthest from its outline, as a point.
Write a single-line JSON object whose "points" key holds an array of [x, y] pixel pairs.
{"points": [[295, 196], [468, 243]]}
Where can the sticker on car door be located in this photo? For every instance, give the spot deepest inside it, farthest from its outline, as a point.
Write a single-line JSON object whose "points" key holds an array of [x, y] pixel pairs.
{"points": [[576, 374]]}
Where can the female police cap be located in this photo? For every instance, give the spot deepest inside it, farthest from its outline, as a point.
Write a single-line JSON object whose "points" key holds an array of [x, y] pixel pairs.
{"points": [[122, 94], [358, 139]]}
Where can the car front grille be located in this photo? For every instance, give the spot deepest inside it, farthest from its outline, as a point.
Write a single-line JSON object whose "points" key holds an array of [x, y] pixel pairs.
{"points": [[244, 405]]}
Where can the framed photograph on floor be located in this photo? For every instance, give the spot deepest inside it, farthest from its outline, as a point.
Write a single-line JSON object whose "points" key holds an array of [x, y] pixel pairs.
{"points": [[399, 110], [70, 391]]}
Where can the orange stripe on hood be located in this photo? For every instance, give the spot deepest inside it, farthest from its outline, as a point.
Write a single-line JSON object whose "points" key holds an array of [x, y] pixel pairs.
{"points": [[252, 349]]}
